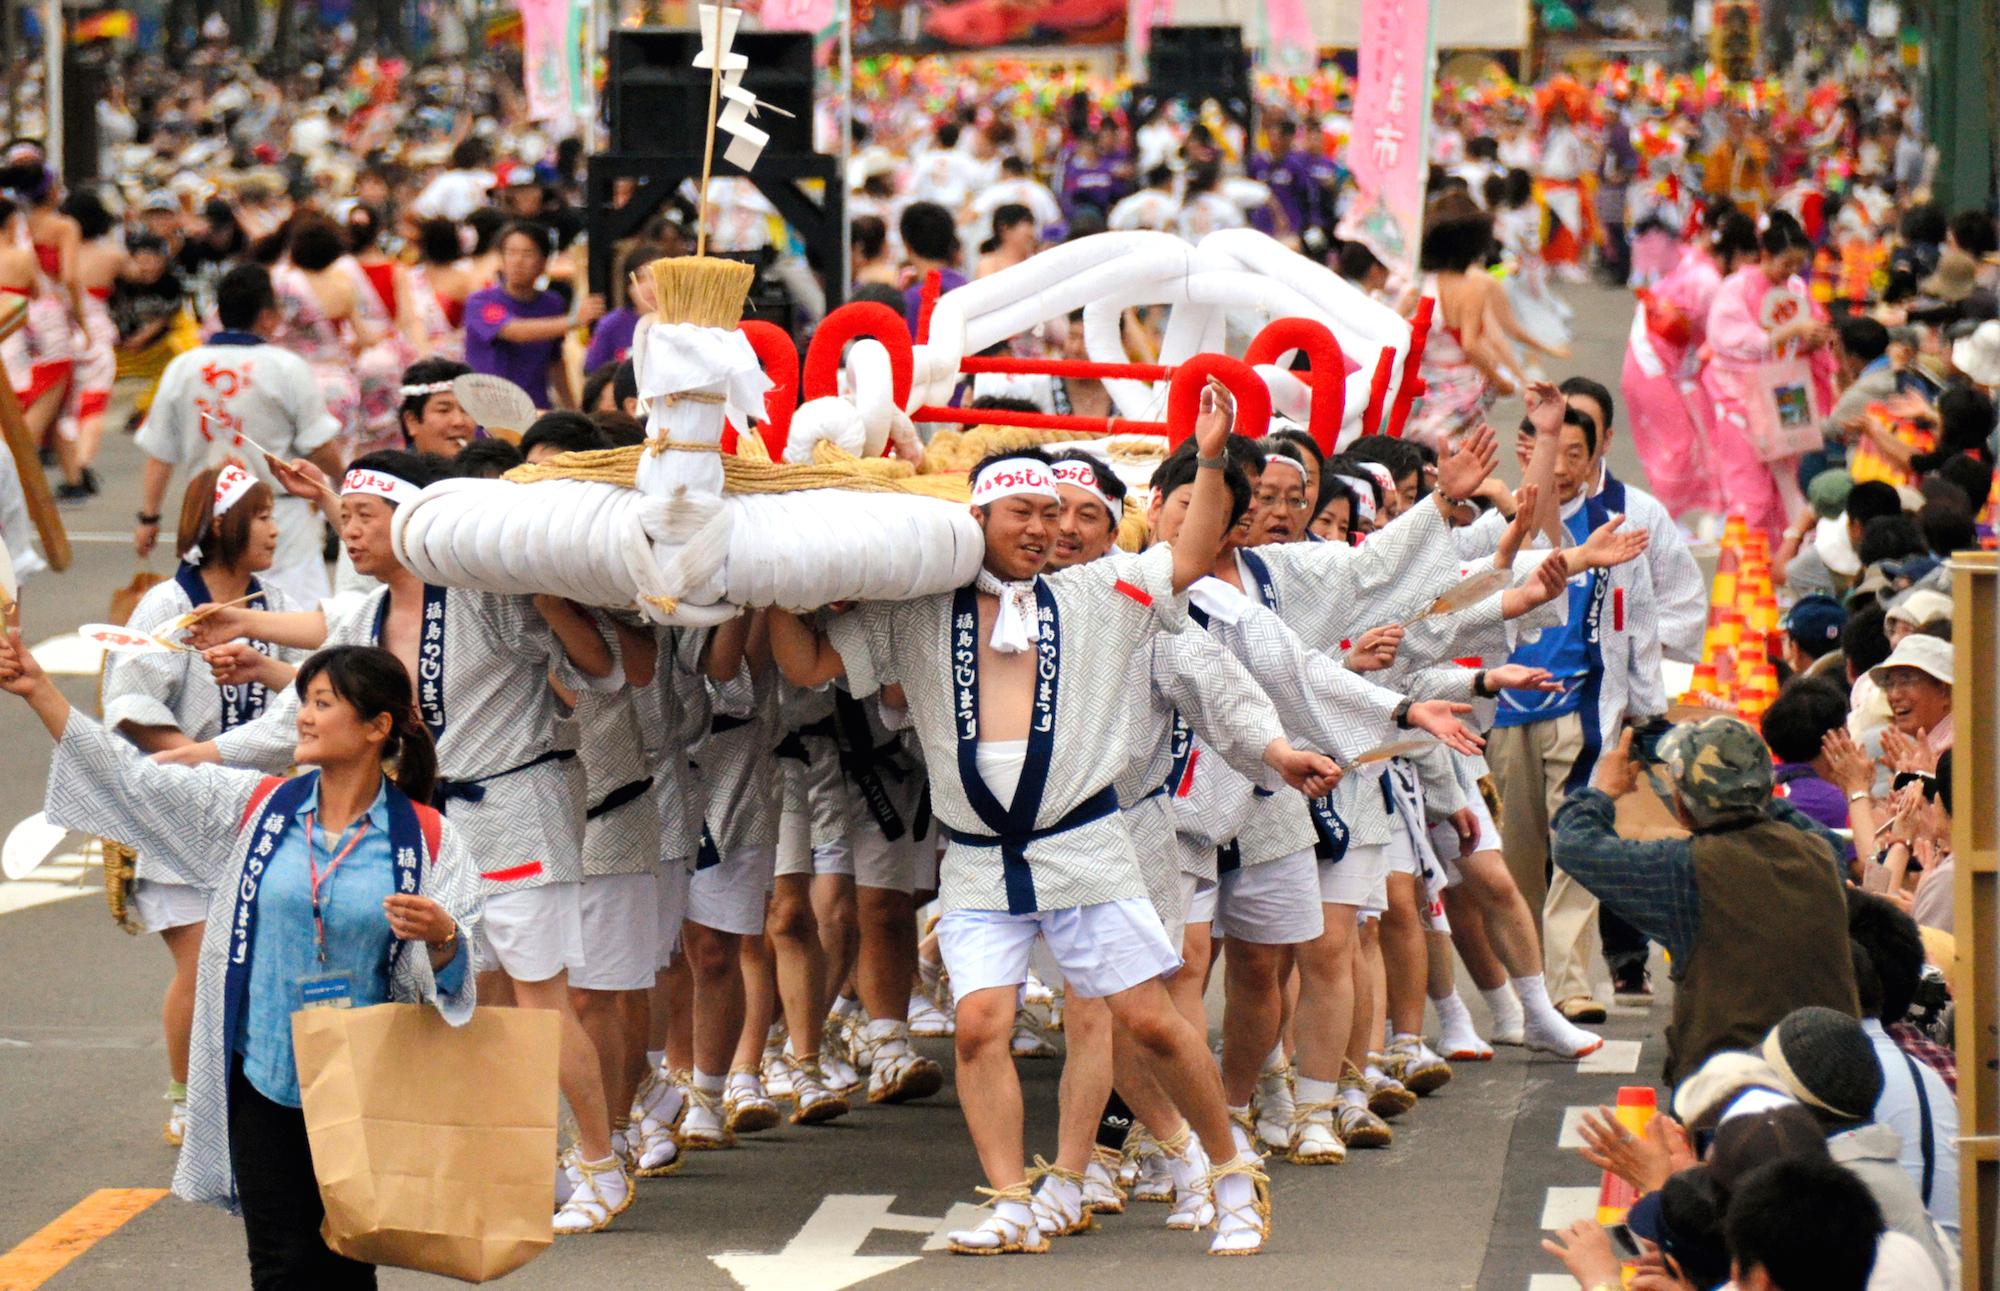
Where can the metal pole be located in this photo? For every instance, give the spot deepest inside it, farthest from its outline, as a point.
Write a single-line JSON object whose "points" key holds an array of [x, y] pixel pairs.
{"points": [[846, 14], [52, 83]]}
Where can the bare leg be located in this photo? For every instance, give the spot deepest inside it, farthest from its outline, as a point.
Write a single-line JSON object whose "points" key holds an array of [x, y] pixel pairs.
{"points": [[1140, 1088], [717, 995], [1189, 985], [177, 1012], [1250, 1019], [835, 911], [797, 948], [580, 1076], [1178, 1059], [634, 1019], [989, 1091], [760, 1001], [1369, 1003], [1086, 1079], [671, 1029], [597, 1012], [1469, 936], [1404, 955], [1510, 924], [888, 963], [1326, 996]]}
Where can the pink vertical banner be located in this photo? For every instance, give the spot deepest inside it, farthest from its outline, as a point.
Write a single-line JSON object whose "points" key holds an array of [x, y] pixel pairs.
{"points": [[1289, 47], [1388, 148], [815, 16], [1141, 16], [545, 59]]}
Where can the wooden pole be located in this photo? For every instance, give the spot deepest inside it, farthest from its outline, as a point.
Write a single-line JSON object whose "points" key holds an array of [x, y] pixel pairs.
{"points": [[1975, 598], [28, 464], [708, 143]]}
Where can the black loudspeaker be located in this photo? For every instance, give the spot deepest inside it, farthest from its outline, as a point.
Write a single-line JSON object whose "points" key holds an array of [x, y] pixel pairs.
{"points": [[83, 86], [1198, 56], [659, 102]]}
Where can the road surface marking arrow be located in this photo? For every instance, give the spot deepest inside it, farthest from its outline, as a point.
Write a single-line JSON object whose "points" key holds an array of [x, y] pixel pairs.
{"points": [[822, 1256]]}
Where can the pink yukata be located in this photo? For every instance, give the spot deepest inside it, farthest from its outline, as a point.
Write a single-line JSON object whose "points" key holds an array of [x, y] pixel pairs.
{"points": [[1737, 344], [1669, 412]]}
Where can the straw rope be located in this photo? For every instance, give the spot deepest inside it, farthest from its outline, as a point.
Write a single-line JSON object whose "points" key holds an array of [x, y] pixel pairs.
{"points": [[755, 473]]}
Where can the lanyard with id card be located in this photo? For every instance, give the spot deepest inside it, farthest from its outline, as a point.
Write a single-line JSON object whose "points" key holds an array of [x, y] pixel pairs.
{"points": [[326, 989]]}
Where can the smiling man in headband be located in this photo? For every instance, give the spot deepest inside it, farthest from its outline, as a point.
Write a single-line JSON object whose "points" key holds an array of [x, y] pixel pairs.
{"points": [[1017, 688], [482, 664]]}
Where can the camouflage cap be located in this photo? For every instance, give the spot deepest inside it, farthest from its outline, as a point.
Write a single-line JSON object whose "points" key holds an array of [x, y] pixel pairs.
{"points": [[1720, 767]]}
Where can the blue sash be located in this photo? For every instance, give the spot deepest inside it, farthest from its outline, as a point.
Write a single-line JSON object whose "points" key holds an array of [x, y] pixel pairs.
{"points": [[406, 840], [1260, 574], [240, 704], [1597, 509], [1013, 827], [1180, 739], [430, 657]]}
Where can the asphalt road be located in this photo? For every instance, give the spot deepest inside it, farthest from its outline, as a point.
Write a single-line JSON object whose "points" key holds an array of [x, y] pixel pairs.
{"points": [[1458, 1202]]}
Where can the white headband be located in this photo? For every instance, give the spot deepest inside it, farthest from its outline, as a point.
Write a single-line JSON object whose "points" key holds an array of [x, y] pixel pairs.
{"points": [[1364, 497], [1011, 477], [382, 485], [435, 387], [1288, 460], [231, 483], [1382, 475], [1082, 476], [230, 486]]}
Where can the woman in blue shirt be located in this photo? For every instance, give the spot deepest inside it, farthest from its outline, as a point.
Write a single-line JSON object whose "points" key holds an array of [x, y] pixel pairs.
{"points": [[320, 884]]}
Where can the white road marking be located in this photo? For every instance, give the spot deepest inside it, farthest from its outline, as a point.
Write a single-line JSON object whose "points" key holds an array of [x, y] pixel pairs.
{"points": [[1552, 1282], [27, 894], [1615, 1058], [1564, 1206], [1572, 1135], [963, 1215], [69, 655], [822, 1256]]}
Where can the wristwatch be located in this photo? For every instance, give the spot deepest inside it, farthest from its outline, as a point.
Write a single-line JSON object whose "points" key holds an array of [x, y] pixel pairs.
{"points": [[1402, 713], [1479, 690], [152, 519], [1857, 795], [1211, 463]]}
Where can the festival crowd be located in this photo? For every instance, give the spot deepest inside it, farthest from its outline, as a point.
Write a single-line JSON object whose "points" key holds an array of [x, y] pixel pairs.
{"points": [[748, 865]]}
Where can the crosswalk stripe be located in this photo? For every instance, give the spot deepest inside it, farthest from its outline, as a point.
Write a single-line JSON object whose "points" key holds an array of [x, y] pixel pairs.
{"points": [[1572, 1134], [1613, 1058], [1552, 1282], [70, 1234], [1564, 1206]]}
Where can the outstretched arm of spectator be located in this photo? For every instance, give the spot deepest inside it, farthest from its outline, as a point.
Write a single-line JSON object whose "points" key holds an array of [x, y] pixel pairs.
{"points": [[1650, 885]]}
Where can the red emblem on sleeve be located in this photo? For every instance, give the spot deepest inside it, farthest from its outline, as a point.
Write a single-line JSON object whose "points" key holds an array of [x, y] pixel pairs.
{"points": [[1138, 594], [1617, 609], [495, 312]]}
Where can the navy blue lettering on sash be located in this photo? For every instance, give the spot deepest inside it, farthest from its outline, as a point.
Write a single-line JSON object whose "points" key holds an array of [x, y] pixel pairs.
{"points": [[1332, 830], [430, 657], [1013, 827], [1260, 574], [706, 855], [240, 704], [1180, 739], [406, 843]]}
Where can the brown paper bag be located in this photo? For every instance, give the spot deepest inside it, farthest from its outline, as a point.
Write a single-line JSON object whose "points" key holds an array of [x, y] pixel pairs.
{"points": [[434, 1145], [126, 599]]}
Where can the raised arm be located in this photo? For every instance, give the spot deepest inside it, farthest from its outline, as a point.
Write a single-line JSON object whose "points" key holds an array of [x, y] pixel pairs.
{"points": [[1208, 510], [578, 636], [802, 652]]}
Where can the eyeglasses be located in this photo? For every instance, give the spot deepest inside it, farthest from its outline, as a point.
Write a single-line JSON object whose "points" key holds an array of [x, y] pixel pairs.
{"points": [[1290, 504], [1906, 679]]}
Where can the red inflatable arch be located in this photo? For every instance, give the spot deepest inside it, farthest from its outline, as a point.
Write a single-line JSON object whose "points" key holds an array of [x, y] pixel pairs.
{"points": [[1253, 397], [858, 319], [780, 358], [1329, 370]]}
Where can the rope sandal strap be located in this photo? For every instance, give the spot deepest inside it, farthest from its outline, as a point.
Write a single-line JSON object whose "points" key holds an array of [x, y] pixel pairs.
{"points": [[1042, 1169], [1260, 1196], [1175, 1144], [1020, 1192], [1302, 1112], [1108, 1157]]}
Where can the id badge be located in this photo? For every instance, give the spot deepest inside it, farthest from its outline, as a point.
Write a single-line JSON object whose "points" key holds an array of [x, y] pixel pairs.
{"points": [[326, 991]]}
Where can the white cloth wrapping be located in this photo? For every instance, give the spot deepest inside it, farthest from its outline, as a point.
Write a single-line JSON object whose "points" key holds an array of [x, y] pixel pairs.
{"points": [[679, 359]]}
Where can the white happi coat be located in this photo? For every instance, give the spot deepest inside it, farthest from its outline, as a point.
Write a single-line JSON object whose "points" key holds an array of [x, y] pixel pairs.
{"points": [[190, 820], [1094, 616], [493, 714]]}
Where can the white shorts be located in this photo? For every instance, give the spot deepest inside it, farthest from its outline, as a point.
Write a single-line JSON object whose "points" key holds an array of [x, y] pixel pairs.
{"points": [[1272, 904], [730, 896], [621, 932], [1360, 878], [929, 850], [879, 863], [532, 934], [673, 888], [1444, 840], [160, 906], [1102, 949], [797, 854], [1201, 907]]}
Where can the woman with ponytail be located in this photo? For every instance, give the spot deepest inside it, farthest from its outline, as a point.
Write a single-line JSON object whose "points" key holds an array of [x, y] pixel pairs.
{"points": [[167, 699], [335, 888]]}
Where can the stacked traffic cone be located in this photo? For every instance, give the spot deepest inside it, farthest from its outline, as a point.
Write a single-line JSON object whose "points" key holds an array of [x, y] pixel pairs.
{"points": [[1734, 674]]}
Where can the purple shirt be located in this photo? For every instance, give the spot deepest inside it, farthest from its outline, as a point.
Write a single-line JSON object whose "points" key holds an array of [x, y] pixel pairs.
{"points": [[1292, 187], [525, 363], [1801, 786], [913, 299], [612, 340], [1094, 183]]}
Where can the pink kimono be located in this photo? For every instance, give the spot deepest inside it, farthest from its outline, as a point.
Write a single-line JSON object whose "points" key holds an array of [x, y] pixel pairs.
{"points": [[1737, 342], [1669, 412]]}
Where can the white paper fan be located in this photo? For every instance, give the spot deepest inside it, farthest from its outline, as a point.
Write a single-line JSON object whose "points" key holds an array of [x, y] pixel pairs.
{"points": [[29, 844], [1394, 749], [124, 640], [495, 402]]}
